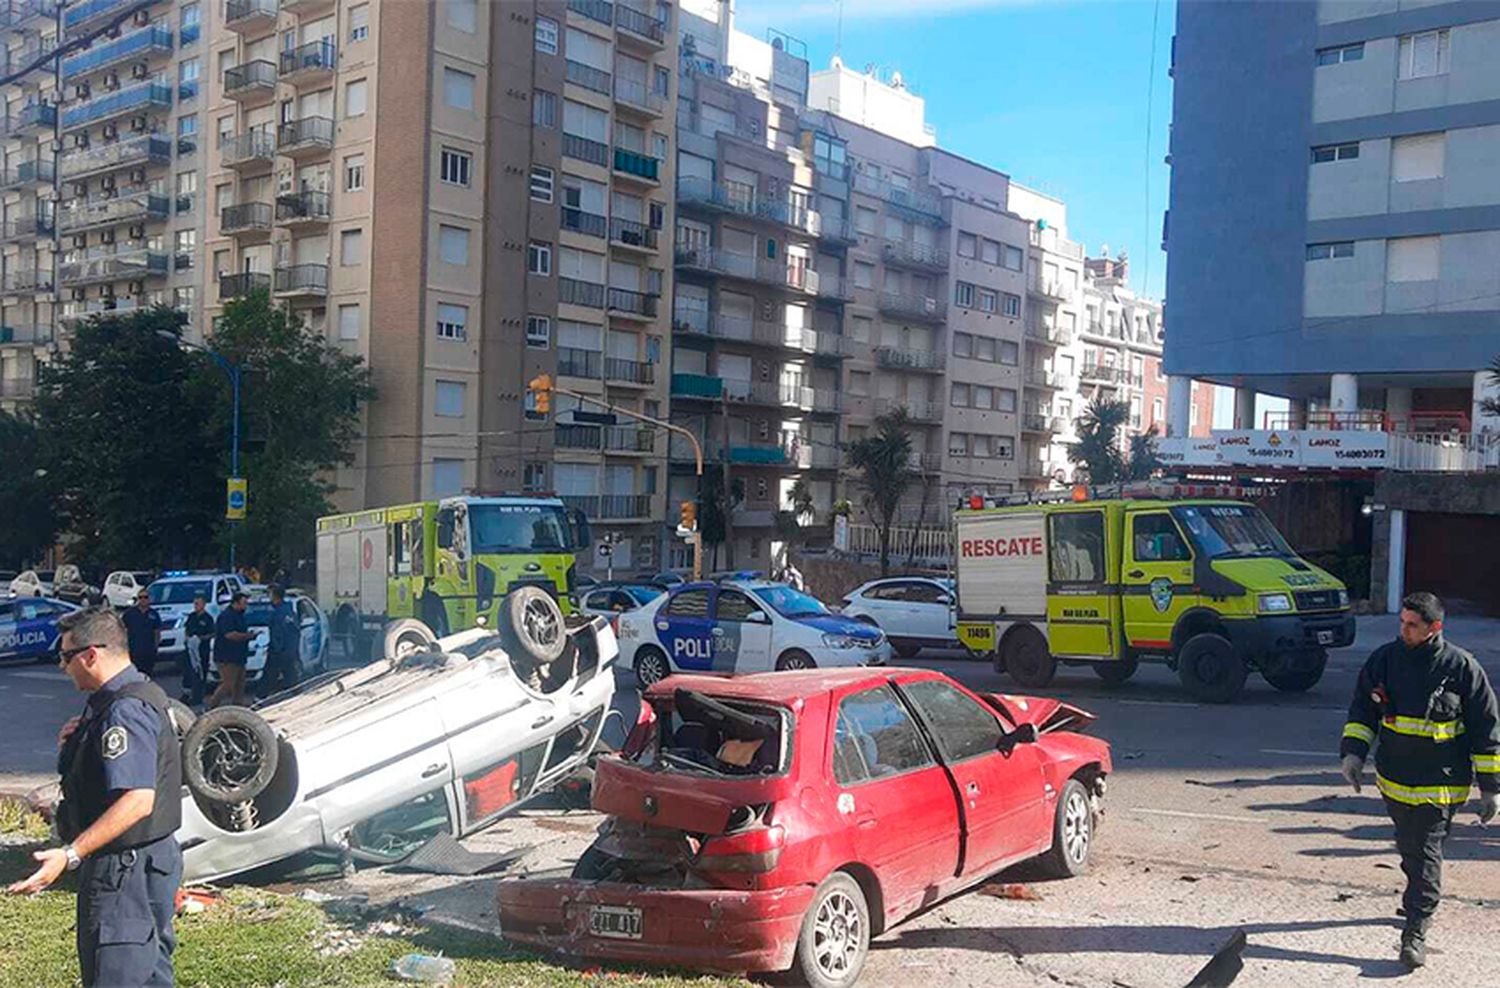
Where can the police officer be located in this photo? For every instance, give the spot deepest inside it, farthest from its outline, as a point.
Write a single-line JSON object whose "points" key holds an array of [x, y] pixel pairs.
{"points": [[198, 629], [282, 651], [1435, 715], [122, 783], [232, 636]]}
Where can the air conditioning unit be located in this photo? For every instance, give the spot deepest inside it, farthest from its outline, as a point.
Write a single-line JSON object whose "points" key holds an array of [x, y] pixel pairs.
{"points": [[112, 80], [137, 287], [142, 18], [111, 131], [137, 231], [107, 182], [138, 124], [138, 70], [138, 175]]}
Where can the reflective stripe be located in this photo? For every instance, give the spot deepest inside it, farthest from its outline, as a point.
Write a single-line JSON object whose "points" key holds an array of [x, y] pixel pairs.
{"points": [[1359, 732], [1487, 763], [1418, 795], [1437, 730]]}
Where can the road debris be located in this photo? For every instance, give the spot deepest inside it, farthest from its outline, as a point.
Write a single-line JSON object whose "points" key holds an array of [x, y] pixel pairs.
{"points": [[1011, 890], [424, 969]]}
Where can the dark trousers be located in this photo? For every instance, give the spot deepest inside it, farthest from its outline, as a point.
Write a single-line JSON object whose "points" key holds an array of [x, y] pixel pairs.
{"points": [[195, 669], [144, 661], [281, 671], [126, 900], [1420, 833]]}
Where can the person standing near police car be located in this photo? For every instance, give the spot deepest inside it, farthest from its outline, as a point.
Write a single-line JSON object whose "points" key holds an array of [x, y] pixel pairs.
{"points": [[232, 636], [284, 644], [1435, 715], [121, 781], [143, 632], [198, 629]]}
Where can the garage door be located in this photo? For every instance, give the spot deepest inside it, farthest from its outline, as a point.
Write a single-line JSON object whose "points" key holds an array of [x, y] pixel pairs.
{"points": [[1445, 553]]}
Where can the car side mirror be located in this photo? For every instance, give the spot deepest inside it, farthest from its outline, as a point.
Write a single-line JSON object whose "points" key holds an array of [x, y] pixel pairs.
{"points": [[223, 599], [758, 617], [945, 600]]}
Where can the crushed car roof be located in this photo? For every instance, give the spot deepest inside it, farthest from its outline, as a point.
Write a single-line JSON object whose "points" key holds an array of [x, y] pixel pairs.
{"points": [[782, 687]]}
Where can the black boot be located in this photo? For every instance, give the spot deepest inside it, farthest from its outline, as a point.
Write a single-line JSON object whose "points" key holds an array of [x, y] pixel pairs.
{"points": [[1413, 948]]}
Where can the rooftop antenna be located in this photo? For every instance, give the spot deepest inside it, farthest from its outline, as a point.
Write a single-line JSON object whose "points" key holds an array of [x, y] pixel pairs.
{"points": [[838, 36]]}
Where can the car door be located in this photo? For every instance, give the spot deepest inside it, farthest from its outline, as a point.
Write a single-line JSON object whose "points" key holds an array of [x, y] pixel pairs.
{"points": [[311, 632], [741, 633], [1003, 803], [930, 613], [1082, 607], [35, 626], [894, 799], [1156, 579], [383, 762], [685, 630], [8, 637]]}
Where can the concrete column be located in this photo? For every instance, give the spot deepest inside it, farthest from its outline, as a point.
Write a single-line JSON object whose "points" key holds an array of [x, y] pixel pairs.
{"points": [[1296, 410], [1244, 408], [1485, 388], [1179, 404], [1395, 573], [1343, 394], [1398, 407]]}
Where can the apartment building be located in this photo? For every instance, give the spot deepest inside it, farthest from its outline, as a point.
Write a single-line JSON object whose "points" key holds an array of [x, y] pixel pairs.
{"points": [[1350, 191]]}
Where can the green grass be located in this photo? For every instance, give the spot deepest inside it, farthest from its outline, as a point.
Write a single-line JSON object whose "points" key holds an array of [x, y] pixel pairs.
{"points": [[258, 938], [19, 820]]}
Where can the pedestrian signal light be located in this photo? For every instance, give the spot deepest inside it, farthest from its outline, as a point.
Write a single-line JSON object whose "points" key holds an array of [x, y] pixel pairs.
{"points": [[689, 518], [541, 389]]}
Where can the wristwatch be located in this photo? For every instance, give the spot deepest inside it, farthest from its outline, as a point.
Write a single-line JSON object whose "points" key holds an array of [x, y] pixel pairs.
{"points": [[74, 861]]}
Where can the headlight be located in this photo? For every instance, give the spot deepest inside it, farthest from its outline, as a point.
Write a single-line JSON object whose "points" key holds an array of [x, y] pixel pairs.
{"points": [[1343, 598], [1271, 603], [840, 641]]}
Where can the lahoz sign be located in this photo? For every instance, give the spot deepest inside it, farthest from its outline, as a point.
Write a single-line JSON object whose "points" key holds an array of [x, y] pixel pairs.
{"points": [[1335, 449]]}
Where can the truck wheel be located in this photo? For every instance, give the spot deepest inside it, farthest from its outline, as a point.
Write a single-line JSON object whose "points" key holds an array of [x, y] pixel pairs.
{"points": [[1210, 669], [835, 936], [531, 624], [1290, 676], [229, 755], [1027, 659], [1115, 673], [1072, 833], [406, 636], [650, 666]]}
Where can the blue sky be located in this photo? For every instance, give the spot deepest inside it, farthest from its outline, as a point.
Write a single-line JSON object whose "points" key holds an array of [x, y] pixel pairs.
{"points": [[1052, 92]]}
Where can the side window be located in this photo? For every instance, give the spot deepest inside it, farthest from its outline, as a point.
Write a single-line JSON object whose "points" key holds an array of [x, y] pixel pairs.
{"points": [[1077, 544], [598, 600], [445, 528], [689, 603], [891, 591], [416, 545], [621, 601], [400, 558], [1154, 538], [962, 727], [875, 738], [735, 606], [305, 610], [926, 593], [113, 581]]}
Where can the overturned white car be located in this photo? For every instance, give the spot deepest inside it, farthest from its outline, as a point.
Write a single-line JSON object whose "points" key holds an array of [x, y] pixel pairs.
{"points": [[446, 734]]}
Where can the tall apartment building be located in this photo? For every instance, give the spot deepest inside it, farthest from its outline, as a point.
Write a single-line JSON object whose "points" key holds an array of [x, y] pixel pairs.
{"points": [[1337, 161]]}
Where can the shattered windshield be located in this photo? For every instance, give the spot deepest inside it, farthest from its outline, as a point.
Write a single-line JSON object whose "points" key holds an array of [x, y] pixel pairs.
{"points": [[1231, 531]]}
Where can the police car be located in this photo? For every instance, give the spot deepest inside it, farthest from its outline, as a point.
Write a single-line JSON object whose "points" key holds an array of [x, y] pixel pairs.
{"points": [[742, 626], [312, 650], [28, 627]]}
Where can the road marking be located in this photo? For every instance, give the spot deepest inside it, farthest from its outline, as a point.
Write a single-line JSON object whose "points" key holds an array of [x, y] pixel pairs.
{"points": [[1196, 816], [51, 677], [1289, 751], [36, 696], [1157, 703]]}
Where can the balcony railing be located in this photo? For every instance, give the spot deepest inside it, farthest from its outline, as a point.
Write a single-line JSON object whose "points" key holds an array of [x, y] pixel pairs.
{"points": [[250, 80], [1037, 377], [84, 214], [589, 224], [588, 77], [81, 15], [114, 305], [1042, 333], [33, 116], [638, 95], [919, 206], [118, 154], [40, 171], [917, 411], [595, 10], [607, 507], [25, 333], [26, 228], [304, 136], [895, 358], [624, 371], [137, 44], [1102, 374], [258, 147], [116, 104], [26, 281], [245, 217], [574, 362], [309, 206], [301, 279], [920, 307], [1049, 289], [17, 59], [632, 302], [697, 386], [243, 284], [743, 200], [910, 254], [108, 264], [641, 25], [631, 233], [584, 149], [18, 12], [837, 232], [576, 292], [835, 288], [621, 439], [247, 15], [746, 267], [633, 163], [313, 60], [1041, 422], [925, 462]]}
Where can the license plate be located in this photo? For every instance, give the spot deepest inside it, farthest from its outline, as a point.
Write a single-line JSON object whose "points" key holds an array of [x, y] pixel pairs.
{"points": [[1325, 638], [615, 922]]}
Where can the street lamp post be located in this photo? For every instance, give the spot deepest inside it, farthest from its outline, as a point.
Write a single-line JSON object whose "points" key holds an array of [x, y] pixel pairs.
{"points": [[232, 371]]}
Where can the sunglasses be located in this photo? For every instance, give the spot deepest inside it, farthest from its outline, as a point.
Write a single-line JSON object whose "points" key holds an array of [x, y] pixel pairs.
{"points": [[67, 655]]}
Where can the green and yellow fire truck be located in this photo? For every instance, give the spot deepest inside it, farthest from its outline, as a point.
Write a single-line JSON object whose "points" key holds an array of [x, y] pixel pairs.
{"points": [[1181, 574], [446, 562]]}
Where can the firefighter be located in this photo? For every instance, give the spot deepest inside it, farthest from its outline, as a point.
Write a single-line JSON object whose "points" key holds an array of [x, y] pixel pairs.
{"points": [[1435, 715]]}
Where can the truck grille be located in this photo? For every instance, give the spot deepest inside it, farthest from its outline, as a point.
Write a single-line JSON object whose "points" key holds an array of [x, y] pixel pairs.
{"points": [[1317, 600]]}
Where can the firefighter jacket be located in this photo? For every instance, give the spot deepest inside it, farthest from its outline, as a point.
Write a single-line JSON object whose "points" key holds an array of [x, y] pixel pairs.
{"points": [[1435, 715]]}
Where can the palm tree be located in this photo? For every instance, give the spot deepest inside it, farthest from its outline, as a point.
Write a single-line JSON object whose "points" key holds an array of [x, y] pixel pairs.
{"points": [[884, 462], [1099, 449], [1491, 406]]}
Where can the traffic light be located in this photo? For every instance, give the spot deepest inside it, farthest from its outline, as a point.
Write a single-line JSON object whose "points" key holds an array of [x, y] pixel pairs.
{"points": [[689, 519], [541, 389]]}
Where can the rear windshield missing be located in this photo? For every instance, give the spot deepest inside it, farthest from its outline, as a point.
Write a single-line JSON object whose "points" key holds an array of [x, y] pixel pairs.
{"points": [[718, 738]]}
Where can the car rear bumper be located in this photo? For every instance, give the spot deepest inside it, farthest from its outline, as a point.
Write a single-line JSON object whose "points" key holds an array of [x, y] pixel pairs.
{"points": [[708, 929]]}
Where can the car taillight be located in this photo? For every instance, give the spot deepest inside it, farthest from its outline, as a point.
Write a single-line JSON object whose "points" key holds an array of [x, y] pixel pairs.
{"points": [[758, 849], [640, 735]]}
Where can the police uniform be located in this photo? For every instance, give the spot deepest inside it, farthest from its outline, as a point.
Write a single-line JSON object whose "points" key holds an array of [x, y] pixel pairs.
{"points": [[1435, 715], [282, 658], [127, 889]]}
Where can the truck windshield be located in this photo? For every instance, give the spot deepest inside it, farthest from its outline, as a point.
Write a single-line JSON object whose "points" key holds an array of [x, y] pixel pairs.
{"points": [[518, 528], [1231, 531]]}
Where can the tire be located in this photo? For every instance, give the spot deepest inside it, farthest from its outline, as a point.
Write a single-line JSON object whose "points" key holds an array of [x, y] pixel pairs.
{"points": [[229, 755], [531, 624], [835, 936], [906, 651], [651, 666], [1297, 680], [1210, 669], [1116, 673], [794, 659], [406, 636], [182, 717], [1025, 656], [1072, 833]]}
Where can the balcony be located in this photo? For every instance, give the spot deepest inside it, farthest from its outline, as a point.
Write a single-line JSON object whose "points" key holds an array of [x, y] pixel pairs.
{"points": [[702, 322], [921, 308], [834, 288], [250, 17], [827, 344], [20, 12], [925, 462], [309, 137], [650, 32], [310, 64], [79, 215], [1037, 377], [1038, 332], [590, 78], [918, 411], [249, 220], [243, 285], [601, 11], [106, 264], [301, 281], [702, 387], [1102, 374], [637, 167], [573, 362], [619, 370], [251, 84], [113, 305], [137, 45], [773, 394], [588, 224], [610, 507], [1041, 423], [29, 54], [629, 233], [305, 7], [584, 149], [895, 358], [920, 207], [138, 97], [1049, 290], [749, 516], [572, 291], [716, 260], [30, 119], [27, 281], [741, 199], [912, 255], [837, 233], [638, 98], [26, 334], [141, 149], [630, 304], [250, 152], [300, 209], [759, 454], [620, 440], [26, 174], [1033, 468], [91, 13]]}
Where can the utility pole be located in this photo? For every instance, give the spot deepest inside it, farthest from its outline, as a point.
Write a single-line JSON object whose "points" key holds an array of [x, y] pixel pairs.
{"points": [[726, 506]]}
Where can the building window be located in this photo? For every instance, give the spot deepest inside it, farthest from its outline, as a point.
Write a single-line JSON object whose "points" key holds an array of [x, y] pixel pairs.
{"points": [[1158, 410], [1411, 259], [959, 397], [864, 275], [963, 294], [458, 89], [990, 252], [543, 108], [1335, 152], [988, 300], [348, 322], [534, 476], [186, 246], [354, 172], [1003, 447], [1423, 55], [1011, 305], [958, 444], [541, 183], [356, 94], [1005, 400], [1418, 157], [453, 245], [984, 396], [963, 345], [359, 22], [452, 321], [546, 35], [1322, 252], [448, 399], [968, 245], [184, 298], [864, 220], [859, 384], [538, 331], [351, 247], [1343, 53], [830, 157], [1013, 258], [539, 258], [1010, 353], [187, 133], [462, 15], [187, 78], [447, 477], [456, 168]]}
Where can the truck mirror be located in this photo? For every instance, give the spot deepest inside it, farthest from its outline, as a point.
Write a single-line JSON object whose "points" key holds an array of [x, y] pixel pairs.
{"points": [[445, 528]]}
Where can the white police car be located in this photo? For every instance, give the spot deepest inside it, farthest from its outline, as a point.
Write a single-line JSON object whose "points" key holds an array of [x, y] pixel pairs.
{"points": [[742, 626], [172, 599]]}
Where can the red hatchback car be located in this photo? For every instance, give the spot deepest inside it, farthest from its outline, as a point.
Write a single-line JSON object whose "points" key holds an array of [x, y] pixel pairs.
{"points": [[778, 821]]}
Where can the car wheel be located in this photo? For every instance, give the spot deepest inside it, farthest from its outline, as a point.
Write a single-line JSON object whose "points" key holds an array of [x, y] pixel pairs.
{"points": [[229, 755], [835, 935], [1027, 659], [1115, 673], [530, 622], [906, 651], [793, 660], [1210, 669], [1072, 833], [650, 666]]}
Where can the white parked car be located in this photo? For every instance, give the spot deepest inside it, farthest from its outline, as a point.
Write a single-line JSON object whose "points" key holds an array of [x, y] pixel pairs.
{"points": [[32, 583], [915, 612], [121, 586], [313, 650], [172, 599], [441, 735]]}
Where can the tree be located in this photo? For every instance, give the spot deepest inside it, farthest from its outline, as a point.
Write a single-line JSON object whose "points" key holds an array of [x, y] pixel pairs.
{"points": [[1491, 406], [1099, 450], [301, 403], [715, 502], [30, 520], [883, 460], [130, 444]]}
